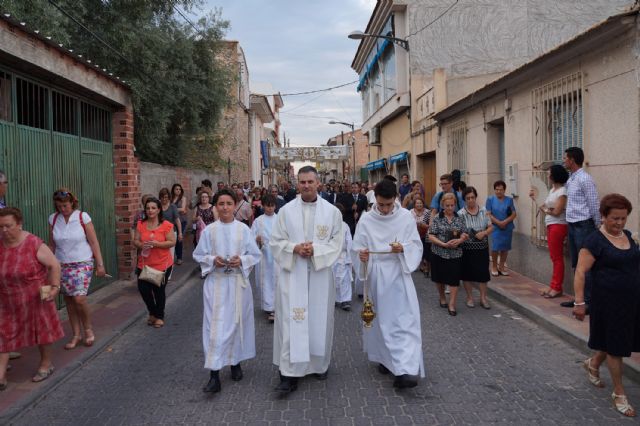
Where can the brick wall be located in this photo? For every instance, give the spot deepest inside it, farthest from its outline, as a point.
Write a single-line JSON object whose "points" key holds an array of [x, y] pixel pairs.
{"points": [[127, 192]]}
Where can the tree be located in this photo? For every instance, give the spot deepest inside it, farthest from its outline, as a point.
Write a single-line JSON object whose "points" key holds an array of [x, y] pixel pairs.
{"points": [[179, 88]]}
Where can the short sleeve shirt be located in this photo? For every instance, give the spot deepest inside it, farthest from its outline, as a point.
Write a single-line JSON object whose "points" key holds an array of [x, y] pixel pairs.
{"points": [[70, 238], [446, 231], [159, 258]]}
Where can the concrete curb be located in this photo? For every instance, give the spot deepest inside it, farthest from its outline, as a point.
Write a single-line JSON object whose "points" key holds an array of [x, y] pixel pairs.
{"points": [[12, 414], [631, 369]]}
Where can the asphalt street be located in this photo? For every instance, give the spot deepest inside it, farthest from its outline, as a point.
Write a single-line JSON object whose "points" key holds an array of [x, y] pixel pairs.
{"points": [[483, 367]]}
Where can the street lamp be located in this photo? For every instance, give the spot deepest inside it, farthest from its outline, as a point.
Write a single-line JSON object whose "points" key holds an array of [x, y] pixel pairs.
{"points": [[359, 35], [353, 148]]}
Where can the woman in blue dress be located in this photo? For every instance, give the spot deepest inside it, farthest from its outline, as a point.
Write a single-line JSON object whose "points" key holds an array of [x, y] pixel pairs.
{"points": [[502, 212]]}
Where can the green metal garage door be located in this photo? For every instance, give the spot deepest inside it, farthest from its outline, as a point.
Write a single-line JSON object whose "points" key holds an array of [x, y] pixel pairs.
{"points": [[50, 139]]}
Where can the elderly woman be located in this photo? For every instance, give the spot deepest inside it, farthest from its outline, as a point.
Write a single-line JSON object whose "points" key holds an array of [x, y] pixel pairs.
{"points": [[73, 239], [447, 232], [475, 251], [154, 237], [554, 210], [422, 216], [27, 317], [204, 213], [502, 212], [614, 322]]}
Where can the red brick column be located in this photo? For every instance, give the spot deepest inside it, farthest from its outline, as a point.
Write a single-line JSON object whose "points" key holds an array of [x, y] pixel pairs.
{"points": [[127, 192]]}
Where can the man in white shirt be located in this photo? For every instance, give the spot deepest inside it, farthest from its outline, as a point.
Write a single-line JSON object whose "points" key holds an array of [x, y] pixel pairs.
{"points": [[306, 241]]}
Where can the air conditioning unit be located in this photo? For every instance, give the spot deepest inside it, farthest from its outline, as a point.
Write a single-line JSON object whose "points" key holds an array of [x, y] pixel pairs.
{"points": [[374, 136], [512, 179]]}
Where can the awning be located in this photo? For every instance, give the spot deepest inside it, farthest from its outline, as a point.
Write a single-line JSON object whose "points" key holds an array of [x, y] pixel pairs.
{"points": [[373, 165], [372, 64], [396, 158]]}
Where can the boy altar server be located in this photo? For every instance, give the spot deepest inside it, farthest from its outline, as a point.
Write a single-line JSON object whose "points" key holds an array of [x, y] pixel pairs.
{"points": [[306, 241], [342, 268], [226, 253], [266, 270], [394, 340]]}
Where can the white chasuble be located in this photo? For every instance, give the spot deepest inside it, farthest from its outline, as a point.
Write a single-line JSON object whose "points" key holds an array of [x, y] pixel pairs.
{"points": [[395, 338], [305, 293], [266, 270], [228, 334]]}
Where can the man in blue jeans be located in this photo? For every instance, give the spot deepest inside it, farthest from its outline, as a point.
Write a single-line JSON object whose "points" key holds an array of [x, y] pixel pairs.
{"points": [[583, 210]]}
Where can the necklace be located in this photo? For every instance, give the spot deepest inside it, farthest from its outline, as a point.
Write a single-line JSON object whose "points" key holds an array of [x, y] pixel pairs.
{"points": [[620, 235]]}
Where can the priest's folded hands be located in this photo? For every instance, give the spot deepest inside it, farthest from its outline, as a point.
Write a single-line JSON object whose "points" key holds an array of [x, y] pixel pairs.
{"points": [[304, 249]]}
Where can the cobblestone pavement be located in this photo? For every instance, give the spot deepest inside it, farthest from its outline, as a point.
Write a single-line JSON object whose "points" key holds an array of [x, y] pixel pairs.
{"points": [[483, 367]]}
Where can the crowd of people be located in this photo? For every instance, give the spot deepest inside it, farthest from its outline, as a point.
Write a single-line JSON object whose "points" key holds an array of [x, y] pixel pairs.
{"points": [[313, 247]]}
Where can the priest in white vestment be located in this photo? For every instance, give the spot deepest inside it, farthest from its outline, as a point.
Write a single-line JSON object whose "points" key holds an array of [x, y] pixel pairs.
{"points": [[306, 241], [266, 271], [226, 253], [394, 341]]}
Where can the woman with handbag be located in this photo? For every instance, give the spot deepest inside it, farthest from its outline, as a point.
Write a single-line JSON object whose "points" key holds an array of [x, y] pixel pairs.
{"points": [[28, 313], [226, 253], [73, 239], [154, 237]]}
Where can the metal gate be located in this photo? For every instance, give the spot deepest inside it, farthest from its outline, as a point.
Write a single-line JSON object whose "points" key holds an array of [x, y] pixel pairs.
{"points": [[50, 138]]}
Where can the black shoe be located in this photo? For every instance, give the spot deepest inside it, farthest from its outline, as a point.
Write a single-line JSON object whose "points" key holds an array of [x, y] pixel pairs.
{"points": [[405, 381], [287, 384], [346, 306], [360, 296], [236, 372], [214, 383], [337, 304], [382, 369], [567, 304], [321, 376], [452, 313]]}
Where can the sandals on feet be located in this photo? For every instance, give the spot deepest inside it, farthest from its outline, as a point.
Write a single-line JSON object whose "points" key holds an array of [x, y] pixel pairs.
{"points": [[158, 323], [89, 337], [75, 341], [42, 374], [595, 380], [623, 407], [151, 320], [553, 294]]}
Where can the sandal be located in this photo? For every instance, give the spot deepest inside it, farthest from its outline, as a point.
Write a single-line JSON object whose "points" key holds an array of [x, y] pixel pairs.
{"points": [[42, 374], [553, 294], [151, 320], [595, 380], [158, 323], [503, 273], [494, 273], [545, 292], [89, 337], [75, 340], [623, 406]]}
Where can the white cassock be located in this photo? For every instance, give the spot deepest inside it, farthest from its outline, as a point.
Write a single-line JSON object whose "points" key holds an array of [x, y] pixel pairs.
{"points": [[395, 338], [265, 273], [305, 293], [342, 268], [228, 334]]}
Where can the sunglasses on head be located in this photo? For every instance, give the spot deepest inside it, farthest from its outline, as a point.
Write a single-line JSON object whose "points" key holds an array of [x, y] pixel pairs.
{"points": [[61, 194]]}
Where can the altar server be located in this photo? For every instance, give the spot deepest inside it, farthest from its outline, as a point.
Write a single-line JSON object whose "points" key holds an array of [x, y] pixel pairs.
{"points": [[265, 273], [394, 341], [226, 253], [306, 241], [342, 268]]}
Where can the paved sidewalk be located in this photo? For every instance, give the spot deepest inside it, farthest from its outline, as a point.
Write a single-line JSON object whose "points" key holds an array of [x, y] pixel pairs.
{"points": [[523, 295], [113, 309]]}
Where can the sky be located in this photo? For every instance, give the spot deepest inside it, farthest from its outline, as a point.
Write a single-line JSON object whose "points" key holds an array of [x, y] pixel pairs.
{"points": [[297, 46]]}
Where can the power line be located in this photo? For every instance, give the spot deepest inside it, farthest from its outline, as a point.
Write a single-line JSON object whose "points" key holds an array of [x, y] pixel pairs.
{"points": [[186, 19], [316, 91], [307, 102], [107, 45], [437, 18]]}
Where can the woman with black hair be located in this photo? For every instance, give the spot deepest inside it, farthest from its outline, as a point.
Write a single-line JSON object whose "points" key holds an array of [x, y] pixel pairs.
{"points": [[154, 237]]}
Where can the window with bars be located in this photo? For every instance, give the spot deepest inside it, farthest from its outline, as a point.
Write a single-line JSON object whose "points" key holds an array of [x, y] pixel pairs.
{"points": [[95, 123], [557, 125], [64, 113], [32, 104], [5, 96], [457, 147]]}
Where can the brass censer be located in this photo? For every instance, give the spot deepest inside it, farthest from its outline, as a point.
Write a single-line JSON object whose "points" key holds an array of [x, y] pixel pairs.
{"points": [[367, 314]]}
